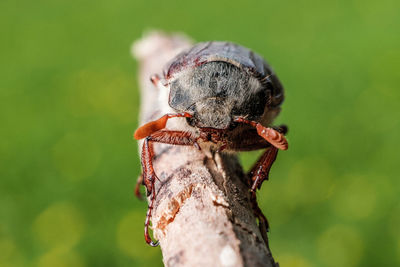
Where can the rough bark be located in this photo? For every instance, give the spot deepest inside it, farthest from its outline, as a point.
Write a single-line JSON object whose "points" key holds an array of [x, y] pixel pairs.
{"points": [[202, 215]]}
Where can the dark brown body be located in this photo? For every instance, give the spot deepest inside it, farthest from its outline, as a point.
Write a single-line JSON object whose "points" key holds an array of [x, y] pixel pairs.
{"points": [[226, 96], [218, 81]]}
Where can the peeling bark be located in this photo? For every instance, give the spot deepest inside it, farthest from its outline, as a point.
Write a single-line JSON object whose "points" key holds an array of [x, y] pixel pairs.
{"points": [[203, 215]]}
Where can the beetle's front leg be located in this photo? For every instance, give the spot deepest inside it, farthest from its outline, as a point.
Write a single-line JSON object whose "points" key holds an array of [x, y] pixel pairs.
{"points": [[153, 126], [260, 171], [149, 178], [139, 182], [149, 175], [263, 224], [275, 137]]}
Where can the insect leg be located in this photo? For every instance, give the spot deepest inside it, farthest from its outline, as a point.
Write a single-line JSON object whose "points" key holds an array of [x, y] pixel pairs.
{"points": [[262, 220], [149, 176], [260, 171], [139, 182], [273, 136], [159, 124], [155, 79], [147, 221]]}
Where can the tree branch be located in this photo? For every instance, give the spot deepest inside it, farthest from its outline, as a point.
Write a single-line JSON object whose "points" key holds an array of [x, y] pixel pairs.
{"points": [[203, 214]]}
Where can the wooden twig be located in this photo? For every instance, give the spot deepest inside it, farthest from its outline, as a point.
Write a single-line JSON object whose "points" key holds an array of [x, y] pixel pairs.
{"points": [[203, 215]]}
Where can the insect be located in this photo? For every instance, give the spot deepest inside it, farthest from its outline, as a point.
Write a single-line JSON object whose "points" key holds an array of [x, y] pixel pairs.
{"points": [[219, 96]]}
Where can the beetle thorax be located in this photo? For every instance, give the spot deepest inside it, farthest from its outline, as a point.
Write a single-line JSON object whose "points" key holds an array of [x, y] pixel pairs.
{"points": [[215, 92], [213, 113]]}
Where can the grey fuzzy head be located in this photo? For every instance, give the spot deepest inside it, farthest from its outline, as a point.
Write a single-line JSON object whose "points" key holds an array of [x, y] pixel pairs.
{"points": [[215, 92]]}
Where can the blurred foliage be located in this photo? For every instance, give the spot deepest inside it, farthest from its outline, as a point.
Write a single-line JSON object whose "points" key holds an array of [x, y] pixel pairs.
{"points": [[69, 106]]}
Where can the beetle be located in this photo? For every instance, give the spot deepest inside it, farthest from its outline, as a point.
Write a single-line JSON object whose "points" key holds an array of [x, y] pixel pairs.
{"points": [[224, 98]]}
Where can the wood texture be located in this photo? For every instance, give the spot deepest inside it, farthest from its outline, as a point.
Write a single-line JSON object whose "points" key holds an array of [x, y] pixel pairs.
{"points": [[202, 215]]}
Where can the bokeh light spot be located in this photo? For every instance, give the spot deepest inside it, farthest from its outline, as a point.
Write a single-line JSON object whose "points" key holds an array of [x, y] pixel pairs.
{"points": [[60, 257], [340, 245], [356, 198], [394, 222], [130, 237], [309, 181], [103, 92], [60, 225], [9, 254], [76, 156]]}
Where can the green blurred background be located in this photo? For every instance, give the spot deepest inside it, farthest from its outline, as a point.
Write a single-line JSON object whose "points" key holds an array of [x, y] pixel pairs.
{"points": [[69, 106]]}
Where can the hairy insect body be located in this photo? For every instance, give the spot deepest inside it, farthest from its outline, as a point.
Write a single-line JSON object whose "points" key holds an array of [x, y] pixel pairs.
{"points": [[222, 97], [216, 91]]}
